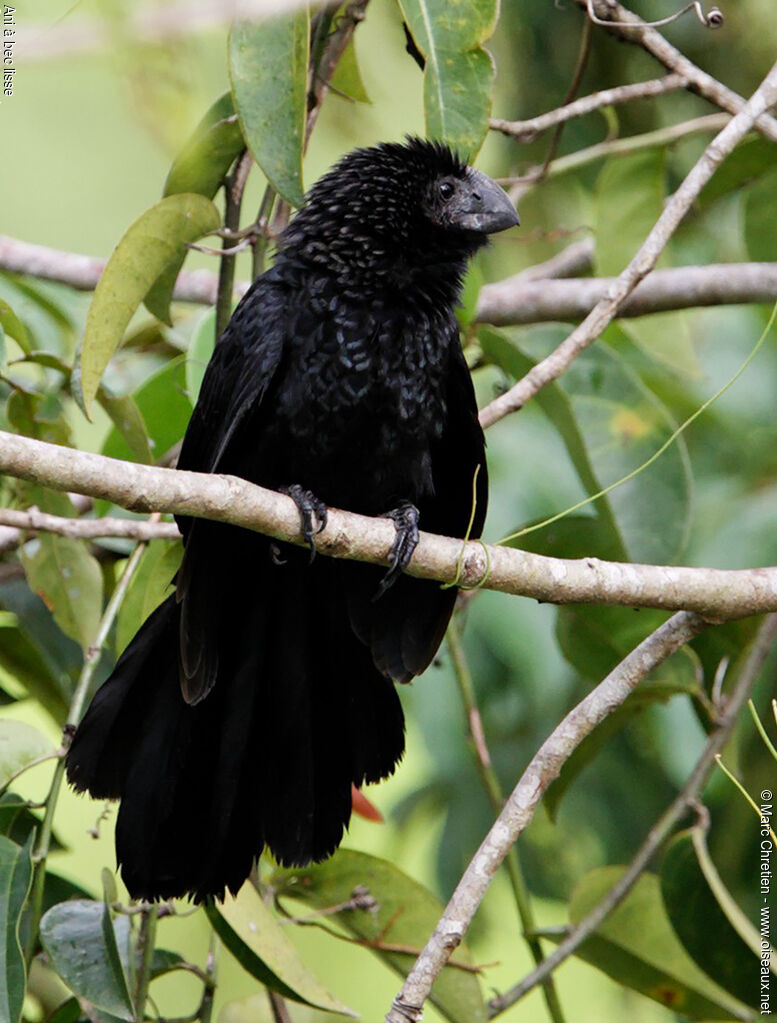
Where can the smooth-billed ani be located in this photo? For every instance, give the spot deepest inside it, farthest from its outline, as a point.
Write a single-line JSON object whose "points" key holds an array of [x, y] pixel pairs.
{"points": [[252, 698]]}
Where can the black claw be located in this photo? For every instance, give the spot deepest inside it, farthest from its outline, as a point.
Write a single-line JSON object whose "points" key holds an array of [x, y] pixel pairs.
{"points": [[310, 508], [405, 519]]}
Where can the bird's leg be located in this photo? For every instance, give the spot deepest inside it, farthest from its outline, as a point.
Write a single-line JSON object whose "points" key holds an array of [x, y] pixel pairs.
{"points": [[405, 519], [310, 508]]}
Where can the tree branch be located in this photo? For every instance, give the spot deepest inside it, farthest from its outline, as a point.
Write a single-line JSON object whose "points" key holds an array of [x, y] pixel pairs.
{"points": [[661, 830], [523, 801], [521, 300], [633, 29], [527, 131], [716, 594], [643, 262], [34, 521]]}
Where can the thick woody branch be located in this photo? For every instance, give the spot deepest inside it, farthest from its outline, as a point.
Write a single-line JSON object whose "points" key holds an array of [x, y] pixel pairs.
{"points": [[715, 594], [520, 301], [528, 297], [643, 262], [523, 801], [632, 29], [527, 131]]}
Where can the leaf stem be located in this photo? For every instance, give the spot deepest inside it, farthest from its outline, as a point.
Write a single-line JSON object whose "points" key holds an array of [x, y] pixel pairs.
{"points": [[494, 792]]}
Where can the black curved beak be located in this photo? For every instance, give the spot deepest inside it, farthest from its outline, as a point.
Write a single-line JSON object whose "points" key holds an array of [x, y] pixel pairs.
{"points": [[482, 206]]}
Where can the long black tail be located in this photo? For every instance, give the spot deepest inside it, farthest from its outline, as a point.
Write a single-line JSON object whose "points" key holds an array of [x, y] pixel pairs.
{"points": [[297, 713]]}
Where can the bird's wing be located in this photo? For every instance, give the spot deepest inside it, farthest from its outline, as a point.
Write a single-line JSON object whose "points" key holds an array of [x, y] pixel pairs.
{"points": [[405, 626], [235, 384]]}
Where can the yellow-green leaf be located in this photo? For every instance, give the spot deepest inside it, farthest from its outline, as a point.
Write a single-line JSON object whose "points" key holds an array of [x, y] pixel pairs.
{"points": [[156, 239]]}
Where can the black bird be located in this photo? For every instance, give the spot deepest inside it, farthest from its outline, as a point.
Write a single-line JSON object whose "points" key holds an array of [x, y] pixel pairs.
{"points": [[253, 697]]}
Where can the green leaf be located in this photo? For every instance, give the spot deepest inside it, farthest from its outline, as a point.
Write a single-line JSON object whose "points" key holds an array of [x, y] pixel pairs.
{"points": [[164, 408], [258, 942], [703, 926], [638, 948], [84, 945], [750, 160], [213, 147], [459, 73], [69, 582], [14, 327], [156, 240], [17, 821], [24, 663], [624, 425], [347, 79], [268, 70], [20, 744], [151, 583], [165, 961], [646, 695], [761, 218], [126, 417], [629, 200], [200, 350], [406, 913], [557, 406], [15, 878], [39, 416]]}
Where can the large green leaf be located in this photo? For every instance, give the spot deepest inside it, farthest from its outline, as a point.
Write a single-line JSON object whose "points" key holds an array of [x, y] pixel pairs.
{"points": [[205, 159], [258, 942], [703, 926], [201, 347], [14, 327], [69, 582], [150, 584], [164, 409], [638, 948], [126, 417], [15, 878], [268, 69], [20, 744], [22, 661], [556, 405], [89, 952], [751, 159], [459, 73], [404, 915], [156, 240], [761, 218]]}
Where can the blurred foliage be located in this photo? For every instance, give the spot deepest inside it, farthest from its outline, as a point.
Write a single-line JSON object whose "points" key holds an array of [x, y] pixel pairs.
{"points": [[157, 128]]}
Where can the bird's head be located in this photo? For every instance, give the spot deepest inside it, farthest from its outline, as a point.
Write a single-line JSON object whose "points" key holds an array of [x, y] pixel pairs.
{"points": [[397, 209]]}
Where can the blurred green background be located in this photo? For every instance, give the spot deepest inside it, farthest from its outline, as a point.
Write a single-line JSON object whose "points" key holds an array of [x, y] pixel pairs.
{"points": [[88, 138]]}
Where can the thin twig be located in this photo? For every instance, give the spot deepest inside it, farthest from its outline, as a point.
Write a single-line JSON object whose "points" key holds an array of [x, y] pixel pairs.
{"points": [[712, 20], [615, 147], [523, 801], [233, 192], [493, 789], [663, 827], [644, 261], [145, 950], [527, 131], [35, 521]]}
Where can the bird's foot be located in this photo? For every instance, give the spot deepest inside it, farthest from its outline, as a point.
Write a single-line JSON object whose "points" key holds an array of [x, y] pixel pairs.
{"points": [[405, 519], [312, 513]]}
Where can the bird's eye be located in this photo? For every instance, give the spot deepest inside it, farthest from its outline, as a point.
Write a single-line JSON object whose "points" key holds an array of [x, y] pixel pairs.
{"points": [[446, 190]]}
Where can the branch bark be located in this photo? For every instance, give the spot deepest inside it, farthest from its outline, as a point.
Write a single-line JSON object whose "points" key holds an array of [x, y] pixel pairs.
{"points": [[35, 521], [716, 594], [523, 801], [519, 300], [643, 262], [527, 131]]}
